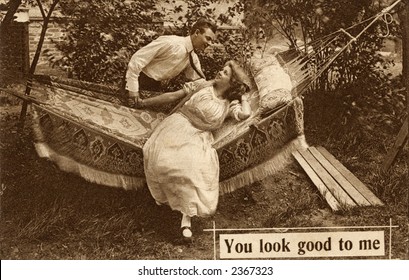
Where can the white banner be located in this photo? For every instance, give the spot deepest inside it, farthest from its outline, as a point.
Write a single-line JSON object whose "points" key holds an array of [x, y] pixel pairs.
{"points": [[302, 245]]}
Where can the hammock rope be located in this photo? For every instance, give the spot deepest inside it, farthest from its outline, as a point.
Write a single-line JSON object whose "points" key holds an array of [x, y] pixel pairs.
{"points": [[305, 68]]}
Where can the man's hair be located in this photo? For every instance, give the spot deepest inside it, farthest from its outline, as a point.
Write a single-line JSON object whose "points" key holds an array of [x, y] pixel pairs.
{"points": [[202, 24]]}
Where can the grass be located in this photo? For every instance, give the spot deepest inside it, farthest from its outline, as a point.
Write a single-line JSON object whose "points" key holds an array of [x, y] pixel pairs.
{"points": [[49, 214]]}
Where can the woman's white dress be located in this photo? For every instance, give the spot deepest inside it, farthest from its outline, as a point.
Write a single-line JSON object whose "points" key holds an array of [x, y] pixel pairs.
{"points": [[181, 166]]}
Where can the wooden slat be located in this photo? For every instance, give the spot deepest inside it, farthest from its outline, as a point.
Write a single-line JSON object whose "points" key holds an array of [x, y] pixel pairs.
{"points": [[344, 183], [332, 202], [343, 198], [350, 177]]}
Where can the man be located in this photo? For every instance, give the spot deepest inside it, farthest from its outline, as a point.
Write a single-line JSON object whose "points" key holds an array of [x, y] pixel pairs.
{"points": [[166, 57]]}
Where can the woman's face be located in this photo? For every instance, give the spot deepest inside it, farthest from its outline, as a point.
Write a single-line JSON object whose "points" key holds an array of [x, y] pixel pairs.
{"points": [[224, 76]]}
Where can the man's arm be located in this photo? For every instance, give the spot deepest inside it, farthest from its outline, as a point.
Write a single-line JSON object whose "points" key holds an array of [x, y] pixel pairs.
{"points": [[164, 98], [138, 61], [168, 97]]}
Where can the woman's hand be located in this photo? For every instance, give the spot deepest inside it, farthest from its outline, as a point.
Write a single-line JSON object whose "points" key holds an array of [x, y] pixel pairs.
{"points": [[245, 108]]}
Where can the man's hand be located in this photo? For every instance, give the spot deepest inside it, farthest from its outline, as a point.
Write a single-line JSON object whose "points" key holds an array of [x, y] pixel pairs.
{"points": [[195, 86], [133, 98], [132, 101], [202, 83]]}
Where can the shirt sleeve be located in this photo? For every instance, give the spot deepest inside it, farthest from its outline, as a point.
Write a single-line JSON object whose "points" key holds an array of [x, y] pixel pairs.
{"points": [[142, 58], [234, 109]]}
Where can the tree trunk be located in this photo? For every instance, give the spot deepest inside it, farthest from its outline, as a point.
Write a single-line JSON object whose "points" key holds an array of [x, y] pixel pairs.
{"points": [[35, 60], [8, 18], [4, 28]]}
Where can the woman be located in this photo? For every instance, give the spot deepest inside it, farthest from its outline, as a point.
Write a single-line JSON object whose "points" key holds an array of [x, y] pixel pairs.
{"points": [[181, 166]]}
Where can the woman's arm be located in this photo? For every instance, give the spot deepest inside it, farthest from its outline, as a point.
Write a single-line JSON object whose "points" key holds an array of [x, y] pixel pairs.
{"points": [[245, 111]]}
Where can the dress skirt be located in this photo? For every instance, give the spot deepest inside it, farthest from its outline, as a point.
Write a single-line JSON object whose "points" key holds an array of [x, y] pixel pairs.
{"points": [[182, 167]]}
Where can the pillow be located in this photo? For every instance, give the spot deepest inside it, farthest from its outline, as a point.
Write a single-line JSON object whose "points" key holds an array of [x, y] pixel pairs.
{"points": [[273, 83]]}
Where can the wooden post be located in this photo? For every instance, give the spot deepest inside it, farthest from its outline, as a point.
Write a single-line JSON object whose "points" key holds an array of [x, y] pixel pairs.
{"points": [[400, 141], [26, 49], [405, 74], [403, 133], [2, 189], [404, 17], [406, 56]]}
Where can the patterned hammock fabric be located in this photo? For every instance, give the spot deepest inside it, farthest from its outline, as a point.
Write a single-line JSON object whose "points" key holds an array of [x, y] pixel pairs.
{"points": [[102, 141]]}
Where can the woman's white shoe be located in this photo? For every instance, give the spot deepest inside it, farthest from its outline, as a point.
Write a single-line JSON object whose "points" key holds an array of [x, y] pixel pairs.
{"points": [[186, 232]]}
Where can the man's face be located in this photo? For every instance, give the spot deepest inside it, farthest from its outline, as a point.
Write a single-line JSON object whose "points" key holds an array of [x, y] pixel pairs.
{"points": [[201, 41]]}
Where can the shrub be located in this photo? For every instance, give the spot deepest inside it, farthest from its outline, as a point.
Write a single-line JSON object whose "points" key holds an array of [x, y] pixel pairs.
{"points": [[357, 76], [102, 35]]}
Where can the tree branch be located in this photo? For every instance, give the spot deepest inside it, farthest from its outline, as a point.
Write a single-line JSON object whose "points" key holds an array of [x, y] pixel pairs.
{"points": [[40, 6], [35, 59]]}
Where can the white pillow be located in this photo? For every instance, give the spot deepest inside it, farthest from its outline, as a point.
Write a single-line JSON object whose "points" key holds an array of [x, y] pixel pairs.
{"points": [[273, 83]]}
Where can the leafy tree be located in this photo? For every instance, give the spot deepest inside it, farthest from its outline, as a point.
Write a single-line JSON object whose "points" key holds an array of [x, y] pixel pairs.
{"points": [[302, 21], [101, 36], [12, 6], [356, 80], [230, 44]]}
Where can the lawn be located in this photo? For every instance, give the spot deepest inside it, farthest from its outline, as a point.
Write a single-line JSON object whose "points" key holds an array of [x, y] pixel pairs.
{"points": [[50, 214]]}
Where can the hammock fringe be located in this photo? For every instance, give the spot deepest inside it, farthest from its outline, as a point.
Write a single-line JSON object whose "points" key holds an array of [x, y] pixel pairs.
{"points": [[269, 167], [90, 174], [282, 159]]}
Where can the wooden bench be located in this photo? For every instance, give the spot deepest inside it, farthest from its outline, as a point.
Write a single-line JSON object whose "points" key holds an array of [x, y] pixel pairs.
{"points": [[341, 189]]}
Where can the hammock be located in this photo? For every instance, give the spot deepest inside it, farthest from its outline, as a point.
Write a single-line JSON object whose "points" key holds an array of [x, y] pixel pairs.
{"points": [[102, 141], [84, 129]]}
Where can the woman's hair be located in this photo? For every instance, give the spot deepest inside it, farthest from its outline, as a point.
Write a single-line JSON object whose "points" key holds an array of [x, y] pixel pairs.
{"points": [[239, 82]]}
